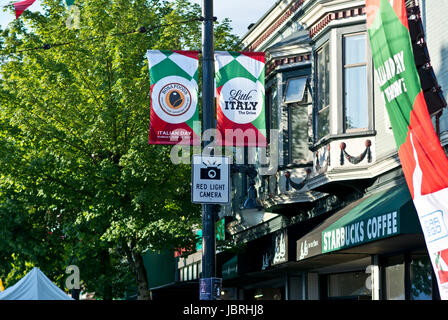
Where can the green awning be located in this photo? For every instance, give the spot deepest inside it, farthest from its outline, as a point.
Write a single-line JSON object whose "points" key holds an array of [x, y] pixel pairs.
{"points": [[382, 215]]}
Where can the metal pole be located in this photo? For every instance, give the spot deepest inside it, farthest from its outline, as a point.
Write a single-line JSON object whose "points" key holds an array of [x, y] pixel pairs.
{"points": [[208, 215]]}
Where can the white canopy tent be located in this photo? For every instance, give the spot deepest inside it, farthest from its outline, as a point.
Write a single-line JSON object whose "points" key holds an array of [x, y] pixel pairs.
{"points": [[34, 286]]}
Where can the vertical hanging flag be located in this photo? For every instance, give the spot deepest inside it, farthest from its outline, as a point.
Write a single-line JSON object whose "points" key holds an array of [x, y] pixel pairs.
{"points": [[240, 98], [21, 6], [424, 162], [174, 97]]}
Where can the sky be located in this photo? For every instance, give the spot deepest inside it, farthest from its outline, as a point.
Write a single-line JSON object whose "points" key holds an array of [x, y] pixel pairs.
{"points": [[241, 12]]}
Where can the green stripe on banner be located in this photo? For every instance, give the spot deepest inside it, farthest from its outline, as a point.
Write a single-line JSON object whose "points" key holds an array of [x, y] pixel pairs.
{"points": [[233, 70], [395, 68], [165, 68]]}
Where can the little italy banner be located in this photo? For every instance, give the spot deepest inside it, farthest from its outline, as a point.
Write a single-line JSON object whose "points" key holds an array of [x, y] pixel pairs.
{"points": [[424, 162], [174, 97], [240, 98]]}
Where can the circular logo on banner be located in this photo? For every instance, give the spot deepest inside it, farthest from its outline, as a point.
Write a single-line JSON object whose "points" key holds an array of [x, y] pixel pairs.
{"points": [[241, 100], [174, 99]]}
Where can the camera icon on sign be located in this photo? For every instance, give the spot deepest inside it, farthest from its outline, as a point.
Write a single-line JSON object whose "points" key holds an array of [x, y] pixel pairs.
{"points": [[211, 173]]}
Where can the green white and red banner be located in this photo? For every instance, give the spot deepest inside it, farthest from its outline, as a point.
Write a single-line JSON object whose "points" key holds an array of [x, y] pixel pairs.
{"points": [[424, 162], [174, 97], [21, 6], [240, 98]]}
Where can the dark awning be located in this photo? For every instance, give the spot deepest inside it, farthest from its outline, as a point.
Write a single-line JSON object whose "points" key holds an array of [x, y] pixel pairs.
{"points": [[378, 216], [230, 268]]}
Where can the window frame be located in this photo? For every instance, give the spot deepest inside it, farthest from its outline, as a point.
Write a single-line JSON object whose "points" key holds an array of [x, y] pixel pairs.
{"points": [[271, 87], [288, 75], [326, 42], [305, 87], [341, 34], [302, 104], [346, 67]]}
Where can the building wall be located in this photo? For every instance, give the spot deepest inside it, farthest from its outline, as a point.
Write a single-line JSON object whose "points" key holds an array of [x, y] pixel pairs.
{"points": [[436, 35], [333, 19]]}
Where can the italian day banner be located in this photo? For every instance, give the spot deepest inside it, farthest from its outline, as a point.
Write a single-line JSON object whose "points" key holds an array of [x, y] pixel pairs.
{"points": [[424, 162], [240, 110], [174, 97]]}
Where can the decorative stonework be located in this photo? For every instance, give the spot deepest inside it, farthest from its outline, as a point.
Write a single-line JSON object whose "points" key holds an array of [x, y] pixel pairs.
{"points": [[314, 29], [322, 168], [358, 159], [295, 185], [286, 61], [339, 15]]}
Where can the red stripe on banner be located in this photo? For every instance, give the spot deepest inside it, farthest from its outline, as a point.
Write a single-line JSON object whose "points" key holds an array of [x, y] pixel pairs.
{"points": [[431, 157], [21, 6], [408, 163], [161, 134], [260, 56], [190, 54]]}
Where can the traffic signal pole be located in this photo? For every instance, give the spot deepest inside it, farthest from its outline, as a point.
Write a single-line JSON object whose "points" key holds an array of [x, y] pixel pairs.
{"points": [[208, 214]]}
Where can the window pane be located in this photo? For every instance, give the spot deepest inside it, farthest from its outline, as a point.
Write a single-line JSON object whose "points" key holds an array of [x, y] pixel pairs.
{"points": [[274, 109], [323, 123], [299, 132], [421, 278], [323, 78], [355, 93], [323, 92], [348, 284], [295, 90], [443, 121], [395, 282], [355, 49]]}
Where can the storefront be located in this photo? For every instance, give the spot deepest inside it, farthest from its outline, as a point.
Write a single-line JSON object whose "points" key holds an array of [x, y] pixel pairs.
{"points": [[371, 249], [253, 274]]}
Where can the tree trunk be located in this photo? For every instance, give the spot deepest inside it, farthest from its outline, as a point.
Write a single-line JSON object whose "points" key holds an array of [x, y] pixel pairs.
{"points": [[142, 279], [135, 261]]}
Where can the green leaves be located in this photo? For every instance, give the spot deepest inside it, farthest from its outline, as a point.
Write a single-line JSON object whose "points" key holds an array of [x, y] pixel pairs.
{"points": [[79, 183]]}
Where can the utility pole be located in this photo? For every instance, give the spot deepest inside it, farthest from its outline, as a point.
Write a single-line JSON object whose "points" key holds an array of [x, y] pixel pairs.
{"points": [[208, 214]]}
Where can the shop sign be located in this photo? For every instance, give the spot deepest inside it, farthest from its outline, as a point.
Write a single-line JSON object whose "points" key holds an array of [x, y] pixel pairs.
{"points": [[266, 261], [360, 232], [308, 248], [280, 248], [278, 252]]}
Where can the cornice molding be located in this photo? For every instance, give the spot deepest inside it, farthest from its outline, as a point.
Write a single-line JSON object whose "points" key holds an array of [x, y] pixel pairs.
{"points": [[274, 63], [255, 40], [318, 15], [332, 16]]}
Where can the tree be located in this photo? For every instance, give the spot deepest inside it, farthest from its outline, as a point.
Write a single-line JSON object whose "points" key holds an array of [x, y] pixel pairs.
{"points": [[77, 176]]}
